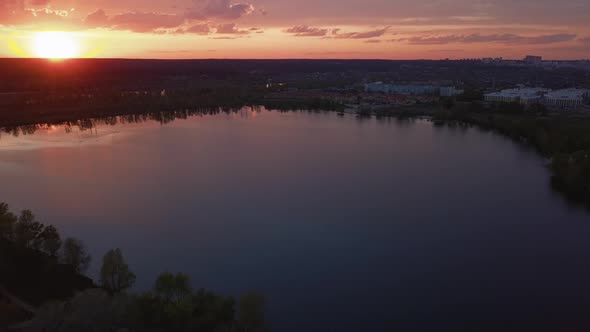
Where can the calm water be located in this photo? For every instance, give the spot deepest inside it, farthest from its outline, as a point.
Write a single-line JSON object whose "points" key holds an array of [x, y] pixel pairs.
{"points": [[345, 225]]}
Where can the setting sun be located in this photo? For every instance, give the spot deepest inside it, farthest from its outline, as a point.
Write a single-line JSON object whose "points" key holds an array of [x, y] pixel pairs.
{"points": [[55, 45]]}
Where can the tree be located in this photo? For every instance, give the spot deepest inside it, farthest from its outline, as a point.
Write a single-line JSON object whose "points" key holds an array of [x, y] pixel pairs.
{"points": [[172, 287], [50, 240], [448, 103], [251, 312], [27, 230], [7, 222], [537, 108], [74, 253], [115, 275]]}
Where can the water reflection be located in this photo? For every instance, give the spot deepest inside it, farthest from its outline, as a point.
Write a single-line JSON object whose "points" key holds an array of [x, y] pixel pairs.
{"points": [[91, 123], [88, 129]]}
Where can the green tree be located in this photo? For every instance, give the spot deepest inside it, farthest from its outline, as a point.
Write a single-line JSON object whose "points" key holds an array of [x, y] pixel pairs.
{"points": [[251, 312], [448, 103], [7, 222], [173, 287], [115, 275], [50, 240], [74, 253]]}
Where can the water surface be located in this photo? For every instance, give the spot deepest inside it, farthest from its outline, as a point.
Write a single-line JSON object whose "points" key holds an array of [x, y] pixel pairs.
{"points": [[344, 224]]}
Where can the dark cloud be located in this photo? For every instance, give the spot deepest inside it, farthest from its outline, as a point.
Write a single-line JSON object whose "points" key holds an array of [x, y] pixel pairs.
{"points": [[154, 22], [224, 9], [373, 41], [201, 29], [493, 38], [359, 35], [230, 29], [306, 31]]}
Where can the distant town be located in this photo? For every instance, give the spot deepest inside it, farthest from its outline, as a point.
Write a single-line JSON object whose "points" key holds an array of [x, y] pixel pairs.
{"points": [[92, 87]]}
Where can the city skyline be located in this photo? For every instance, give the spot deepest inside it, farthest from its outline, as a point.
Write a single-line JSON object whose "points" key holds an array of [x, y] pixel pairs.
{"points": [[264, 29]]}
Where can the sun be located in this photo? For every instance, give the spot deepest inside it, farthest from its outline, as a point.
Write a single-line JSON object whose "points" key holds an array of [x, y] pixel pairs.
{"points": [[55, 45]]}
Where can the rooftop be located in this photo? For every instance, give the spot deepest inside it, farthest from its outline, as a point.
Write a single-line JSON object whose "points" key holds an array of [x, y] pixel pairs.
{"points": [[568, 94], [520, 92]]}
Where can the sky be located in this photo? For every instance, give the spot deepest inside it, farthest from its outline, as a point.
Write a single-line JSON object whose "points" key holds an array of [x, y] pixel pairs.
{"points": [[262, 29]]}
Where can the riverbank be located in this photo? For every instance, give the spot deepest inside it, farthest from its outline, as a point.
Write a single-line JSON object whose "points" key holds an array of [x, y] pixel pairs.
{"points": [[563, 138]]}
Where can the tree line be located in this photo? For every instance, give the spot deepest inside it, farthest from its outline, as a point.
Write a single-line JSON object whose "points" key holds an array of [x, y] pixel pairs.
{"points": [[26, 232], [171, 305]]}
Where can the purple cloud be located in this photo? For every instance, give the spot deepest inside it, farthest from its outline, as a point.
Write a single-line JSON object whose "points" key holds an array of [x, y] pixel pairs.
{"points": [[219, 9], [201, 29], [197, 29], [230, 29], [359, 35], [306, 31]]}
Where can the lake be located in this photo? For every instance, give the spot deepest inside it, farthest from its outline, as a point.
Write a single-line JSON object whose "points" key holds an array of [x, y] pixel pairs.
{"points": [[344, 223]]}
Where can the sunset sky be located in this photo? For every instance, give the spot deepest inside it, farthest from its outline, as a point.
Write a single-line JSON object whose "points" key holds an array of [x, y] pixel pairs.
{"points": [[385, 29]]}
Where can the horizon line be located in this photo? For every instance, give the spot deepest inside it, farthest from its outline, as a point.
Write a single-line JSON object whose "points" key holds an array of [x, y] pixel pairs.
{"points": [[278, 59]]}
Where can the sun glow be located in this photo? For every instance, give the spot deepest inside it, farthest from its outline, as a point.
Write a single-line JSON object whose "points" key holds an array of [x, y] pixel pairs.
{"points": [[55, 45]]}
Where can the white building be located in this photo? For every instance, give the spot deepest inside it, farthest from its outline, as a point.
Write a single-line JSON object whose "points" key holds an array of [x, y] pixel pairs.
{"points": [[523, 96], [449, 91], [377, 87], [566, 98]]}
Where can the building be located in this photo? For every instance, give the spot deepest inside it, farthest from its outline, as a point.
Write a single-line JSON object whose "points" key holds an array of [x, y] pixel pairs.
{"points": [[377, 87], [412, 89], [402, 89], [524, 96], [450, 91], [492, 60], [533, 60], [566, 99]]}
